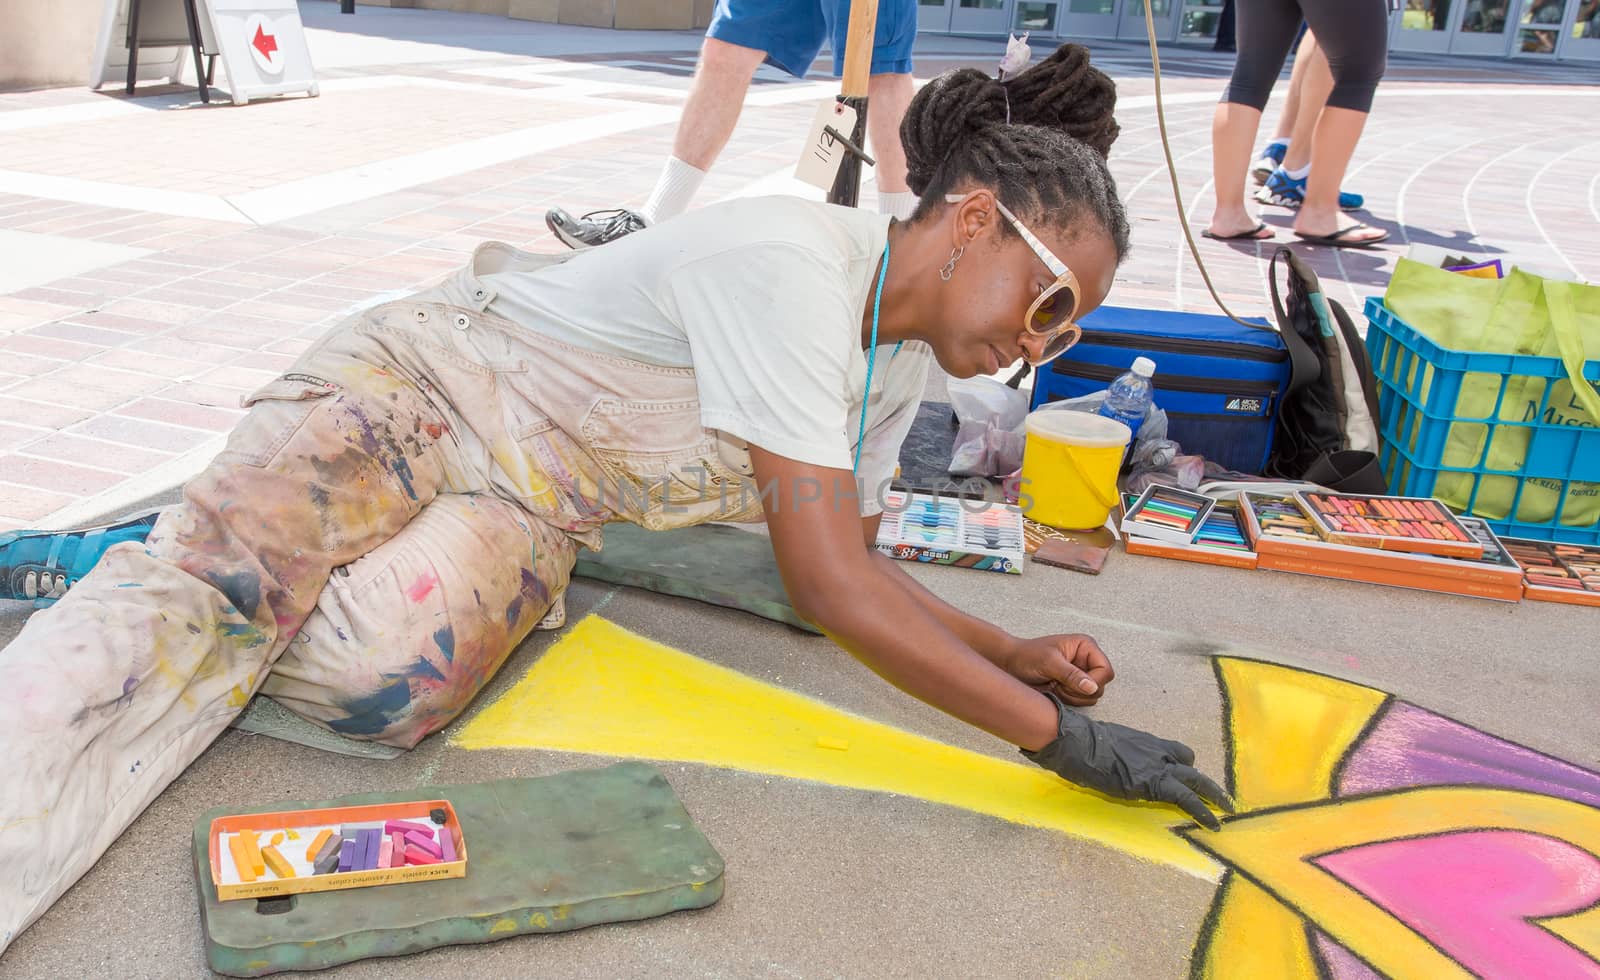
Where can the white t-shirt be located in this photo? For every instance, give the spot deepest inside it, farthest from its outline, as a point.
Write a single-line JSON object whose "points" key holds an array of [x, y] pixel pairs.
{"points": [[763, 298]]}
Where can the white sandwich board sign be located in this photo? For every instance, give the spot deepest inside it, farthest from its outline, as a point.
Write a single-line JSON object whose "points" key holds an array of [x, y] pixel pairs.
{"points": [[260, 43]]}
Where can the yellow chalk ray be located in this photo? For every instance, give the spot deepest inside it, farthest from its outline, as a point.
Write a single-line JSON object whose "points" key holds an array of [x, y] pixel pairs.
{"points": [[1254, 936], [1581, 929], [606, 691], [1289, 729]]}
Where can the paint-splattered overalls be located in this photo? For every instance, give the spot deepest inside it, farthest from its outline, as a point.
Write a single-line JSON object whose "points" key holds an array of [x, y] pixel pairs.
{"points": [[404, 505]]}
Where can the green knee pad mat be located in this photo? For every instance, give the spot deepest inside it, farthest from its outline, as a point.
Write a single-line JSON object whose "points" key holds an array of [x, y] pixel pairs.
{"points": [[544, 854], [713, 563]]}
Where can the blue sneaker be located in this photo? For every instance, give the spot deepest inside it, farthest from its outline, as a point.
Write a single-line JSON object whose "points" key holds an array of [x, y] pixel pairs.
{"points": [[1287, 192], [40, 566], [1270, 159]]}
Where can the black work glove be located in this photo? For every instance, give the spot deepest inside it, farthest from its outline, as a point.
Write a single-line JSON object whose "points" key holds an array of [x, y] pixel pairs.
{"points": [[1129, 764]]}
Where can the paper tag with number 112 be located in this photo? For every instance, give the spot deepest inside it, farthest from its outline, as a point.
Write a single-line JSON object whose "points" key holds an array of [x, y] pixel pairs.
{"points": [[819, 162]]}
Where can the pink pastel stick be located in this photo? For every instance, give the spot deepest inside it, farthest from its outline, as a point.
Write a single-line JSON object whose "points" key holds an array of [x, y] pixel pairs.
{"points": [[447, 843], [405, 827], [397, 851], [386, 852], [424, 841], [416, 855]]}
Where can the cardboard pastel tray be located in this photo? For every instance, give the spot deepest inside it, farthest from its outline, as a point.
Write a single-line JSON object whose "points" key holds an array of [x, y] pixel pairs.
{"points": [[1421, 525], [1557, 572], [307, 823]]}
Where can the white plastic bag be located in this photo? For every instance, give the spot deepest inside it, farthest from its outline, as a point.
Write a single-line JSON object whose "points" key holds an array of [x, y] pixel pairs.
{"points": [[989, 441]]}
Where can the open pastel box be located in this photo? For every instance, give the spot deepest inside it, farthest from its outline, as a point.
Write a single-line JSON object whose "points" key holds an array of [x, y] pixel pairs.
{"points": [[1417, 524], [428, 849], [1558, 572]]}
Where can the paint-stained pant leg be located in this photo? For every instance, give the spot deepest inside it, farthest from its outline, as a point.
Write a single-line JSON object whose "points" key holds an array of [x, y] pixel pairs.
{"points": [[107, 696], [402, 639]]}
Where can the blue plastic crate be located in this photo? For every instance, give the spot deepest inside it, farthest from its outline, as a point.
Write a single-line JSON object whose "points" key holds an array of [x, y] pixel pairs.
{"points": [[1420, 384]]}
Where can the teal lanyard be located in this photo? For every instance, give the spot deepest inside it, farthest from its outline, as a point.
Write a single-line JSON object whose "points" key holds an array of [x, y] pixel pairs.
{"points": [[872, 357]]}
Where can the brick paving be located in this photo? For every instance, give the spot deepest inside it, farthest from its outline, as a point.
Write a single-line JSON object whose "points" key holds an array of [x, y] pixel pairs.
{"points": [[244, 232]]}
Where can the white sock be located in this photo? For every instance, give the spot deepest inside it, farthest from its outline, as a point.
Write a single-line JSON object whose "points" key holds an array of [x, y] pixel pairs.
{"points": [[899, 204], [1280, 141], [1300, 174], [675, 188]]}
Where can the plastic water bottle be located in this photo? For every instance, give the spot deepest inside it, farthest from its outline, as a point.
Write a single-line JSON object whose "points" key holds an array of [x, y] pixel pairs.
{"points": [[1131, 395]]}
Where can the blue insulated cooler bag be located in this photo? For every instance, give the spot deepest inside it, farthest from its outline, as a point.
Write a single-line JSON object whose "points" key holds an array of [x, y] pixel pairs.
{"points": [[1220, 383]]}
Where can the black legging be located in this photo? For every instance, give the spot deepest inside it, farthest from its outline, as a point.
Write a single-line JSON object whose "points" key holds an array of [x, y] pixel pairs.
{"points": [[1354, 34]]}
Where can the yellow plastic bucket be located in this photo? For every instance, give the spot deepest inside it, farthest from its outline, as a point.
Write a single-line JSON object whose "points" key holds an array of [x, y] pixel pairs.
{"points": [[1069, 467]]}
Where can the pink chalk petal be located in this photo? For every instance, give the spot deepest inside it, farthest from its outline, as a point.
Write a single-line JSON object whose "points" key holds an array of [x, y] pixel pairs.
{"points": [[1478, 894]]}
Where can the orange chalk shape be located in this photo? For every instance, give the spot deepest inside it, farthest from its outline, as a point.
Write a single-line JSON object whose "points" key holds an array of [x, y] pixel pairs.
{"points": [[241, 858], [277, 839], [277, 862], [252, 853], [316, 845]]}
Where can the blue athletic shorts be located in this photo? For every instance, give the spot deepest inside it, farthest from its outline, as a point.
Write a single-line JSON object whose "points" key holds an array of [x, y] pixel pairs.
{"points": [[791, 32]]}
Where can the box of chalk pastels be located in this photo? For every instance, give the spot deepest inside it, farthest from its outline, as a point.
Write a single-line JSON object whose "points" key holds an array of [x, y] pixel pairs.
{"points": [[1558, 572], [1167, 514], [946, 530], [1420, 525], [262, 854]]}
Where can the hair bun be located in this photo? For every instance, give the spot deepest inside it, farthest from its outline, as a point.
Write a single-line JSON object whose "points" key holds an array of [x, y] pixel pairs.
{"points": [[947, 112]]}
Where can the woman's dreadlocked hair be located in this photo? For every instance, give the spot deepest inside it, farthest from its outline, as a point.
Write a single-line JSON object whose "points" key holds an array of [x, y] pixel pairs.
{"points": [[1038, 140]]}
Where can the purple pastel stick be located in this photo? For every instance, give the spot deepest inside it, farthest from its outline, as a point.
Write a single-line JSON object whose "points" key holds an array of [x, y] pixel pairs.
{"points": [[347, 855], [405, 827], [447, 844], [369, 859], [424, 842]]}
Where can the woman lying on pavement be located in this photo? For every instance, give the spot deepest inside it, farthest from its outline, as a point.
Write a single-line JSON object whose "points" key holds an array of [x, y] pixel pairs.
{"points": [[394, 515]]}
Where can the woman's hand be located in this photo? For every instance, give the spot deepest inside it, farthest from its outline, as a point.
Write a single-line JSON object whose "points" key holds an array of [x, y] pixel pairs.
{"points": [[1071, 666]]}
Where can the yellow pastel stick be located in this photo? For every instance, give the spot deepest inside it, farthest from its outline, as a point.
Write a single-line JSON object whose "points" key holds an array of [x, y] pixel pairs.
{"points": [[293, 835], [277, 862], [316, 845], [252, 852], [241, 858]]}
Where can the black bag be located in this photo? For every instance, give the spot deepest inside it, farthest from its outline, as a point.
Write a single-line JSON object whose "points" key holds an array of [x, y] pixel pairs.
{"points": [[1325, 424]]}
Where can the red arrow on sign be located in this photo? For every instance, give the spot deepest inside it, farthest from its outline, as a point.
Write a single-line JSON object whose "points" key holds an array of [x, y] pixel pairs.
{"points": [[264, 42]]}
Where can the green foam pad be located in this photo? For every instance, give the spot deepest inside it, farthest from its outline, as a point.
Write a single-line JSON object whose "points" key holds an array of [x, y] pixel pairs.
{"points": [[264, 716], [713, 563], [544, 854]]}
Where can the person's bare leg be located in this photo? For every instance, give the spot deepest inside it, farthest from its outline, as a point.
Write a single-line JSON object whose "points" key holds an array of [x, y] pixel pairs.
{"points": [[1316, 83], [1297, 81], [710, 114], [1233, 131], [888, 96], [715, 98], [1334, 142]]}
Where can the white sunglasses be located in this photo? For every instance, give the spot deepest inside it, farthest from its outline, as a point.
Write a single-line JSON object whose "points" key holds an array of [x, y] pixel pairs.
{"points": [[1052, 315]]}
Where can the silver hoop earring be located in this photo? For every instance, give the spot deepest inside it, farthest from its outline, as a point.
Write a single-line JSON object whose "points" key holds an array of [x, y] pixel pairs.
{"points": [[950, 267]]}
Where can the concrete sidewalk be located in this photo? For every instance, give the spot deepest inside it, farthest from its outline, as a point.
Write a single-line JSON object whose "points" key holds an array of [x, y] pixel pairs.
{"points": [[161, 258]]}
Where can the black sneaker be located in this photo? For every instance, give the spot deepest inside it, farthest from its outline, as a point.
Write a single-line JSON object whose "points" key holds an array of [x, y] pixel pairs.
{"points": [[594, 228]]}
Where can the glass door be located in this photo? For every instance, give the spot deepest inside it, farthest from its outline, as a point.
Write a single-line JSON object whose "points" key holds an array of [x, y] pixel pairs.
{"points": [[1581, 39], [1199, 20], [1036, 17], [1423, 25], [1485, 28], [934, 15], [1131, 26], [1089, 18], [979, 17], [1539, 28]]}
